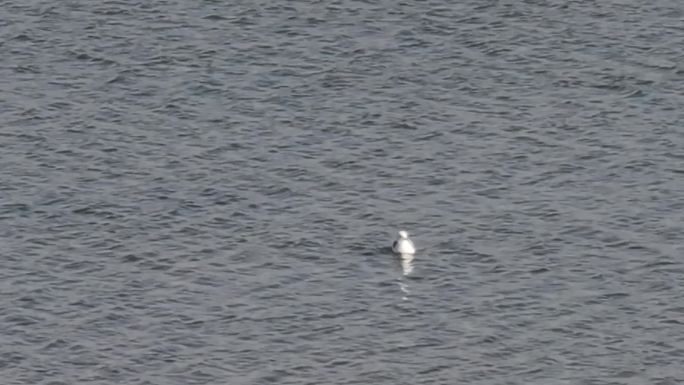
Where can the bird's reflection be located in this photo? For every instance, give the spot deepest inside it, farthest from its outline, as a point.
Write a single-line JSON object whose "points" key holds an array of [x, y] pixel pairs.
{"points": [[407, 268], [406, 263]]}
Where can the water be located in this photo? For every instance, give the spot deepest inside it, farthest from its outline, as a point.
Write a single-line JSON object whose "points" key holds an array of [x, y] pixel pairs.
{"points": [[204, 192]]}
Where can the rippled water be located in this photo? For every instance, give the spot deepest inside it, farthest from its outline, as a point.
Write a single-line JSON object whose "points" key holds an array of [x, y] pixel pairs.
{"points": [[205, 192]]}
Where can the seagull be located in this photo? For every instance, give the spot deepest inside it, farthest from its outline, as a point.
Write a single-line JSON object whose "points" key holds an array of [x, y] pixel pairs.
{"points": [[403, 245]]}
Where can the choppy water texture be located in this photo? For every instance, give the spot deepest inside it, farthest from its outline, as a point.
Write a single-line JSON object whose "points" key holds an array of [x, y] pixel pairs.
{"points": [[205, 192]]}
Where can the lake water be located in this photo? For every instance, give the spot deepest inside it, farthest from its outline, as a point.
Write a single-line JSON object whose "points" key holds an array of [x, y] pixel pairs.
{"points": [[205, 192]]}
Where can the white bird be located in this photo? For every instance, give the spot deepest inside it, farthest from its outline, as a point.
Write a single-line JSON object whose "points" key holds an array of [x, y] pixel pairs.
{"points": [[403, 245]]}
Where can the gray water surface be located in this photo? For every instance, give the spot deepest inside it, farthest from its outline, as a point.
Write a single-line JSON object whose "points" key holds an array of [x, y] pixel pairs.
{"points": [[205, 192]]}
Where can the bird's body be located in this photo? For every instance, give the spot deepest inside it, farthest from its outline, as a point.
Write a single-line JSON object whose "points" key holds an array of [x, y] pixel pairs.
{"points": [[403, 245]]}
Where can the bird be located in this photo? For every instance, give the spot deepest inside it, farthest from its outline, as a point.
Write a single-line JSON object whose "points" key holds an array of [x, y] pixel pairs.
{"points": [[403, 245]]}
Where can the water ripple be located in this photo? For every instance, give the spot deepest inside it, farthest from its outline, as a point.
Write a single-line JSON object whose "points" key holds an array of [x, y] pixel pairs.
{"points": [[206, 193]]}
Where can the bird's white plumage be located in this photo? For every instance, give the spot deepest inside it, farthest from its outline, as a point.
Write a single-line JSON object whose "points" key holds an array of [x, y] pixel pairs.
{"points": [[403, 245]]}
